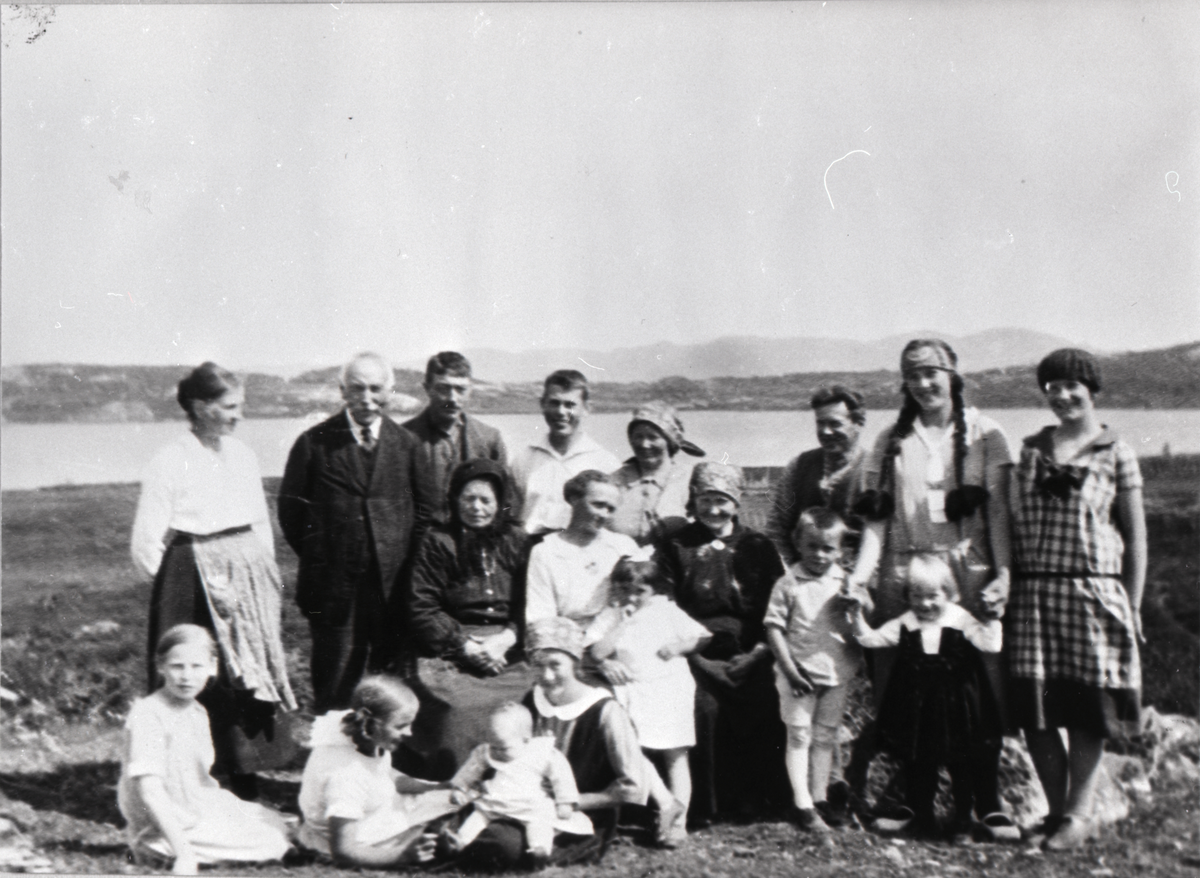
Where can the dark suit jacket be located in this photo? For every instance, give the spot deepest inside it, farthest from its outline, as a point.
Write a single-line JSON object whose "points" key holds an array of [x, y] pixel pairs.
{"points": [[431, 486], [343, 522]]}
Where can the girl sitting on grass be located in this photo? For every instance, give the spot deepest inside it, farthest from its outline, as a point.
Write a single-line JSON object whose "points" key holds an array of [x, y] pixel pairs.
{"points": [[357, 808], [172, 804]]}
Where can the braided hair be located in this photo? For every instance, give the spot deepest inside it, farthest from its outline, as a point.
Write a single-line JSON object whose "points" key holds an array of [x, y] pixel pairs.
{"points": [[962, 500]]}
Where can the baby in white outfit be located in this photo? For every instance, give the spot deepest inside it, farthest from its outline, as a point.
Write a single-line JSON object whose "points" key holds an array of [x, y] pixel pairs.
{"points": [[509, 777]]}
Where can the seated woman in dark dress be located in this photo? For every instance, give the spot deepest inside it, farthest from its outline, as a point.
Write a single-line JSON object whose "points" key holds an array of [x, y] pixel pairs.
{"points": [[722, 574], [464, 607]]}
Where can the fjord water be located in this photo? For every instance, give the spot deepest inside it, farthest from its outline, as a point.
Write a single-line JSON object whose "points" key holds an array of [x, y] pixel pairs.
{"points": [[42, 455]]}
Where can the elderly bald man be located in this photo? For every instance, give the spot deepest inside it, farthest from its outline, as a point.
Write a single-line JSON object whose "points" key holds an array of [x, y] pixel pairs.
{"points": [[346, 508]]}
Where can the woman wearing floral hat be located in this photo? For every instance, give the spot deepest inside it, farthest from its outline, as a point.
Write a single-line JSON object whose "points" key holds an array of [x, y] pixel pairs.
{"points": [[654, 482], [722, 575]]}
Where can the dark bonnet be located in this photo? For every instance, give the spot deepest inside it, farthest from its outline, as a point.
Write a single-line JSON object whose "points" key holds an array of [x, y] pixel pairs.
{"points": [[480, 468]]}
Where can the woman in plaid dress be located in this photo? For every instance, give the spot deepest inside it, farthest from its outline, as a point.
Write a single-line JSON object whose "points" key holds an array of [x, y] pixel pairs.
{"points": [[1074, 621]]}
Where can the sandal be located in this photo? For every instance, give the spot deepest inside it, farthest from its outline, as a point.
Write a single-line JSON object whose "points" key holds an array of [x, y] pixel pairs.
{"points": [[998, 826]]}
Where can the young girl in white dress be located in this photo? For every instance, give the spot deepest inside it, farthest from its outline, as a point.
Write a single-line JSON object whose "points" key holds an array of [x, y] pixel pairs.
{"points": [[357, 808], [641, 640], [172, 804]]}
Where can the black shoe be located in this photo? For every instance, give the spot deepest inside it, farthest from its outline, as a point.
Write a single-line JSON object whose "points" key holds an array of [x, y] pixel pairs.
{"points": [[808, 820], [834, 818]]}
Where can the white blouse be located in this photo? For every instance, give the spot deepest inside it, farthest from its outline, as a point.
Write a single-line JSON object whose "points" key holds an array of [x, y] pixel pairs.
{"points": [[573, 581], [191, 488], [985, 636]]}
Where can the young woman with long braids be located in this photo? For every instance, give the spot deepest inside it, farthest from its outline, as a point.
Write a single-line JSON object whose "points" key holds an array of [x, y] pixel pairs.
{"points": [[936, 484]]}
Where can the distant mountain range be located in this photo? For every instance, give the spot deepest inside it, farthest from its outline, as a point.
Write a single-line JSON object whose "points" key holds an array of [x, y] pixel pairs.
{"points": [[746, 357], [1165, 378]]}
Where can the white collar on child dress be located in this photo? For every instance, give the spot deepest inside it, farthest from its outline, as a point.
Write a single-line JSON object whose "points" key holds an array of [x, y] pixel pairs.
{"points": [[567, 712]]}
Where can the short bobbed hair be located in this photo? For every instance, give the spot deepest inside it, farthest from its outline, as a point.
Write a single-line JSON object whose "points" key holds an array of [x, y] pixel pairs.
{"points": [[931, 570], [192, 635]]}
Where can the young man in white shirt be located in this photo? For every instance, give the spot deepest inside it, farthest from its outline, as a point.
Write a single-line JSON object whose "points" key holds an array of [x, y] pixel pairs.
{"points": [[541, 469]]}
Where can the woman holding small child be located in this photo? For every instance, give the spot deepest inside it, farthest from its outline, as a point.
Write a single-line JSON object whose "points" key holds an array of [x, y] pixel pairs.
{"points": [[936, 485]]}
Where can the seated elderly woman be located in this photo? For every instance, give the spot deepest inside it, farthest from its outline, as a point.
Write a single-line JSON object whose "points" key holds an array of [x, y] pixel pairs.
{"points": [[569, 570], [723, 573], [654, 483], [464, 608]]}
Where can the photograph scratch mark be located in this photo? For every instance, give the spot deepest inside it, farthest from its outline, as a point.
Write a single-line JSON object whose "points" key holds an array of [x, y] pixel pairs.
{"points": [[586, 363], [1178, 195], [825, 179]]}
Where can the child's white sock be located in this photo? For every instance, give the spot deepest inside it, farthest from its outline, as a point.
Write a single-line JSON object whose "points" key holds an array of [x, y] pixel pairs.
{"points": [[820, 764], [796, 760]]}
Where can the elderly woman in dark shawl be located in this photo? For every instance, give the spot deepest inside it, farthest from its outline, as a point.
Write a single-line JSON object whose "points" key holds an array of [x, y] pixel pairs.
{"points": [[722, 575], [465, 606]]}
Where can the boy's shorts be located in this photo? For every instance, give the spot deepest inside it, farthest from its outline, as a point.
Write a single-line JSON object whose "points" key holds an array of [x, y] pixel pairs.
{"points": [[824, 706]]}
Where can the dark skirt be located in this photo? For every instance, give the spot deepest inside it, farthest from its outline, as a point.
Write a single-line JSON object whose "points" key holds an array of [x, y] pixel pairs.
{"points": [[738, 761], [937, 703], [246, 735], [1042, 705], [453, 719]]}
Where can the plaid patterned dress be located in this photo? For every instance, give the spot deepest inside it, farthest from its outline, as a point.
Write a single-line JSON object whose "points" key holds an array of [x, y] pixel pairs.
{"points": [[1070, 635]]}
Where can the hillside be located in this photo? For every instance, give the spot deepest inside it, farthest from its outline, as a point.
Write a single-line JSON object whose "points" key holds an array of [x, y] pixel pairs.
{"points": [[744, 357], [50, 393]]}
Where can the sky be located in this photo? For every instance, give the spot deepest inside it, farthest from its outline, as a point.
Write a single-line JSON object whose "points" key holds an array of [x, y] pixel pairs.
{"points": [[283, 185]]}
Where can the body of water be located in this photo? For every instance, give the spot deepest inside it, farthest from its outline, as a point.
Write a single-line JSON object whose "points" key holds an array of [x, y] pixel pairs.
{"points": [[41, 455]]}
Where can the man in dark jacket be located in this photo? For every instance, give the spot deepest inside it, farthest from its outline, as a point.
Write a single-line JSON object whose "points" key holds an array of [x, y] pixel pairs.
{"points": [[825, 476], [446, 434], [346, 508]]}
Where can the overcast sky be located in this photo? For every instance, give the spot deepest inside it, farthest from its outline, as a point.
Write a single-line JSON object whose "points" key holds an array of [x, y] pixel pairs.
{"points": [[288, 184]]}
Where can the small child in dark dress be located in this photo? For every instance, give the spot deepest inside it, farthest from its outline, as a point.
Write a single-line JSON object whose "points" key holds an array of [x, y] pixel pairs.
{"points": [[935, 710]]}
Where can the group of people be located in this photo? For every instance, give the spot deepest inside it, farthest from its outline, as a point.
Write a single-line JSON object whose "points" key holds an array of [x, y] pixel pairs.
{"points": [[506, 651]]}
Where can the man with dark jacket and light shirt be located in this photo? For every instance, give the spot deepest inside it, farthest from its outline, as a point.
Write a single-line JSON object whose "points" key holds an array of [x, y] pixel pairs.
{"points": [[346, 508]]}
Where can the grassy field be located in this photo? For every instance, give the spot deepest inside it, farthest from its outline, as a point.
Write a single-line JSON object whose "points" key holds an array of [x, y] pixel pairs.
{"points": [[73, 650]]}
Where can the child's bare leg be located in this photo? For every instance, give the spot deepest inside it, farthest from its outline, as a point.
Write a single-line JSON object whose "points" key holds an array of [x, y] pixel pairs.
{"points": [[660, 794], [679, 775], [539, 836]]}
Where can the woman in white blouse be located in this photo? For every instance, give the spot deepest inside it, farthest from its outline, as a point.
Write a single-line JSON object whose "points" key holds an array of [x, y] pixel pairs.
{"points": [[202, 531]]}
